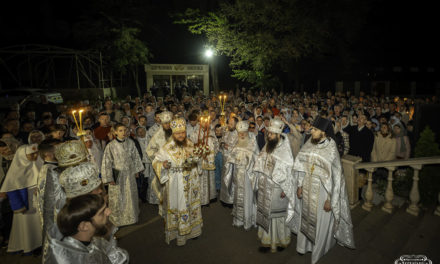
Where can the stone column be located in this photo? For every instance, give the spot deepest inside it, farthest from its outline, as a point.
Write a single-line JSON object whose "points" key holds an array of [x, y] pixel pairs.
{"points": [[414, 195], [351, 178], [369, 193], [389, 195]]}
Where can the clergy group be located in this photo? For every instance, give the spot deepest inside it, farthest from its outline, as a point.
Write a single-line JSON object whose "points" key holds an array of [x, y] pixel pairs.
{"points": [[80, 192]]}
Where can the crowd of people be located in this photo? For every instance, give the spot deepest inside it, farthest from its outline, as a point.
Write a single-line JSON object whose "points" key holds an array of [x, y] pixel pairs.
{"points": [[69, 182]]}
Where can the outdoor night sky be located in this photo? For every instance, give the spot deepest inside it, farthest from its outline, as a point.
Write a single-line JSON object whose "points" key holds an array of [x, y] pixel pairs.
{"points": [[396, 33]]}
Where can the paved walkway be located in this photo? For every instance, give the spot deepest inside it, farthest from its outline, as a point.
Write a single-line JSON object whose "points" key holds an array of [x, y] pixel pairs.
{"points": [[380, 238]]}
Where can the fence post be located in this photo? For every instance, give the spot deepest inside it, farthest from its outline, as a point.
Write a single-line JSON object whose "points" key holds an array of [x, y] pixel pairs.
{"points": [[389, 194], [369, 193], [351, 178], [414, 195]]}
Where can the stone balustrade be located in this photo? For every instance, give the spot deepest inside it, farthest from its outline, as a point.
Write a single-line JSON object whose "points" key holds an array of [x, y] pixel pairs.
{"points": [[351, 166]]}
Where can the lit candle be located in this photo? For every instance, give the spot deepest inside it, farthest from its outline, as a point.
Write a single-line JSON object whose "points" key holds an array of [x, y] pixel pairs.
{"points": [[203, 130], [206, 132], [200, 126], [76, 122], [80, 120]]}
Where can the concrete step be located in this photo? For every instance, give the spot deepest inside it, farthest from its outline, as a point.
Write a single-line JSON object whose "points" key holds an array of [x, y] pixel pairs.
{"points": [[425, 238], [388, 240], [365, 230]]}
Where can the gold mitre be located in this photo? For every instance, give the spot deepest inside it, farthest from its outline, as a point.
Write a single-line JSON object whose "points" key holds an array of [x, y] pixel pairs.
{"points": [[178, 125], [71, 153]]}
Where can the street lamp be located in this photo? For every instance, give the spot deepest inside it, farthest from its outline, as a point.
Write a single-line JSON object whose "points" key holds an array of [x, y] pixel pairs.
{"points": [[209, 53]]}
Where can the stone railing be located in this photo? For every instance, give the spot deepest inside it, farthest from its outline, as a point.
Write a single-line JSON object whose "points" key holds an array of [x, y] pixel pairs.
{"points": [[352, 165]]}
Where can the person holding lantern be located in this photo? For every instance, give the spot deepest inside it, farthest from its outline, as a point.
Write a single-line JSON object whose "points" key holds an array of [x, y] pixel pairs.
{"points": [[176, 169], [239, 169]]}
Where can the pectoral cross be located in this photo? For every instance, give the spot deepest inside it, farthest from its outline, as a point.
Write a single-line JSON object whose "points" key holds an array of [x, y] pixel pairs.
{"points": [[312, 169]]}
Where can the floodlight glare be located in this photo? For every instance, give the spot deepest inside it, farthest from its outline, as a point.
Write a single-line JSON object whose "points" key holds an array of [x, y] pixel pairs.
{"points": [[209, 53]]}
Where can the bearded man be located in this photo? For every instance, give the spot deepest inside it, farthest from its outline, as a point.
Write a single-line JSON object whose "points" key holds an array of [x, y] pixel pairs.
{"points": [[176, 170], [321, 215], [228, 142], [159, 139], [239, 169], [273, 180], [82, 222]]}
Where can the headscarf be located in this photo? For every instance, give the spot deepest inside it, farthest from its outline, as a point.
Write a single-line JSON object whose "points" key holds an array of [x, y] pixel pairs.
{"points": [[374, 120], [35, 132], [22, 173], [287, 113], [94, 152], [12, 144], [401, 135], [129, 120]]}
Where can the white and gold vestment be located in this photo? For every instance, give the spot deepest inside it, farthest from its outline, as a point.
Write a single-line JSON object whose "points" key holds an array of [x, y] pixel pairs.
{"points": [[318, 171], [181, 207]]}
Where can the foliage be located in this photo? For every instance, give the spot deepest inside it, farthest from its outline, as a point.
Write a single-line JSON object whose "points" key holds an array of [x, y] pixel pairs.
{"points": [[127, 50], [426, 146], [429, 181], [118, 41], [263, 38]]}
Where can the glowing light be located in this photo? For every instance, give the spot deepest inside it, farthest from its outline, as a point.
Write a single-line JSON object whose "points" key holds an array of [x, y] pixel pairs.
{"points": [[209, 53]]}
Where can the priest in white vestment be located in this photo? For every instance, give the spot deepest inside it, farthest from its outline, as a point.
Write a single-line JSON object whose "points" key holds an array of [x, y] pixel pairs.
{"points": [[239, 169], [321, 214], [273, 171], [176, 169], [274, 181], [160, 137], [228, 142]]}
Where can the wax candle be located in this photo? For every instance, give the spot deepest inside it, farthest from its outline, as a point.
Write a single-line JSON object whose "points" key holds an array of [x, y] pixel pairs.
{"points": [[80, 120], [76, 122], [200, 126]]}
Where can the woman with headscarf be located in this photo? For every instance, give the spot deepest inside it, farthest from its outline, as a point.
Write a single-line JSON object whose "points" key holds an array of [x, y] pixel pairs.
{"points": [[20, 186], [8, 147], [403, 148], [95, 153], [36, 137]]}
